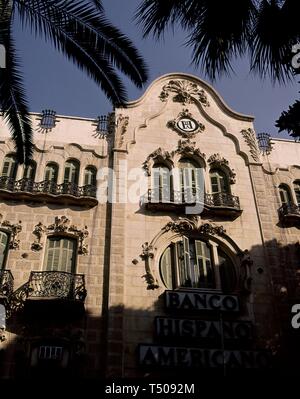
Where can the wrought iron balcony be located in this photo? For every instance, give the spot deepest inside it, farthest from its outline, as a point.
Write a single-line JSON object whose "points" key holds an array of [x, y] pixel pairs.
{"points": [[177, 201], [289, 213], [57, 285], [50, 294], [47, 190], [6, 283]]}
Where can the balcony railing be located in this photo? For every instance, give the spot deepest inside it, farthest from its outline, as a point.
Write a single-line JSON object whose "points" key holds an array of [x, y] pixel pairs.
{"points": [[177, 201], [289, 212], [56, 285], [6, 283], [38, 190], [224, 200]]}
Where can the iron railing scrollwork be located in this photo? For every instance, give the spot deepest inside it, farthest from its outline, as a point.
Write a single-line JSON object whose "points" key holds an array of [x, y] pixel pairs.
{"points": [[56, 284], [289, 210], [6, 283], [46, 186], [48, 285], [160, 196]]}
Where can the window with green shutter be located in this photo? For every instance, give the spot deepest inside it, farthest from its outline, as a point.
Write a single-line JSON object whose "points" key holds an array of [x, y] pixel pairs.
{"points": [[51, 172], [297, 191], [90, 174], [190, 179], [4, 240], [190, 263], [60, 254], [161, 183], [219, 181], [71, 174], [29, 171], [10, 167], [285, 195]]}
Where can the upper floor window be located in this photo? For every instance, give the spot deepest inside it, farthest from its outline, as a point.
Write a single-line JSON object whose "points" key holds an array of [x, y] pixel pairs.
{"points": [[51, 172], [219, 181], [29, 171], [4, 240], [161, 183], [297, 191], [285, 195], [194, 263], [190, 178], [60, 254], [71, 172], [90, 174], [10, 167]]}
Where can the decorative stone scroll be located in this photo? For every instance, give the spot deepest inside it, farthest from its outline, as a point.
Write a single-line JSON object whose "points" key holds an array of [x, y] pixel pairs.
{"points": [[158, 155], [121, 124], [186, 92], [187, 148], [219, 162], [251, 140], [14, 229], [185, 226], [148, 254], [60, 225]]}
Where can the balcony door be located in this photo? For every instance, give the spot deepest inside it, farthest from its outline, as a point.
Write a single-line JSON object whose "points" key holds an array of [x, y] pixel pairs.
{"points": [[60, 254], [285, 195], [190, 180], [10, 167], [161, 184]]}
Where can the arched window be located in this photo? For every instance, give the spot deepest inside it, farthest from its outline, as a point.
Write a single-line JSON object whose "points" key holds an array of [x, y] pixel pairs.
{"points": [[51, 172], [60, 254], [297, 191], [71, 172], [90, 174], [190, 179], [219, 181], [191, 263], [285, 195], [10, 167], [29, 171], [161, 183]]}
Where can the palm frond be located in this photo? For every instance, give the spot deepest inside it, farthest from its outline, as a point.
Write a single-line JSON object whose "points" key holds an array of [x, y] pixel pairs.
{"points": [[98, 4], [271, 42], [12, 96], [290, 120], [156, 16], [65, 15]]}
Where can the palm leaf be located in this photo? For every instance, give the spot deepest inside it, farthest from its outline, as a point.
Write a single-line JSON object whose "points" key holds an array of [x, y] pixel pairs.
{"points": [[12, 95], [71, 17]]}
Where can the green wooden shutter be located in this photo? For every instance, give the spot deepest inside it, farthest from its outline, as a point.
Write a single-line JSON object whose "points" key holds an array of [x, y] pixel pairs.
{"points": [[165, 184], [67, 175], [186, 257], [67, 255], [203, 255], [3, 248], [9, 167], [53, 254], [60, 254], [29, 172], [166, 268], [214, 184]]}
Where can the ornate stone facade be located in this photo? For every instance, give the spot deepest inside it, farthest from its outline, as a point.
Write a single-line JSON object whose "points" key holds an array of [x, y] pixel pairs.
{"points": [[132, 259]]}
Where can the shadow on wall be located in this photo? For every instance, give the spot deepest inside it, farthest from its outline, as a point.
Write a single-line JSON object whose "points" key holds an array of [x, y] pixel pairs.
{"points": [[94, 347]]}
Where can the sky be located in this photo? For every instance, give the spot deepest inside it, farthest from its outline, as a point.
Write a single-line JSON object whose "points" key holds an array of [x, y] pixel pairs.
{"points": [[53, 82]]}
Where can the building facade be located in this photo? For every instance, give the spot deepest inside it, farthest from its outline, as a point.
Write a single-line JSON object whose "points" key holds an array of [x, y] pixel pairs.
{"points": [[163, 237]]}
